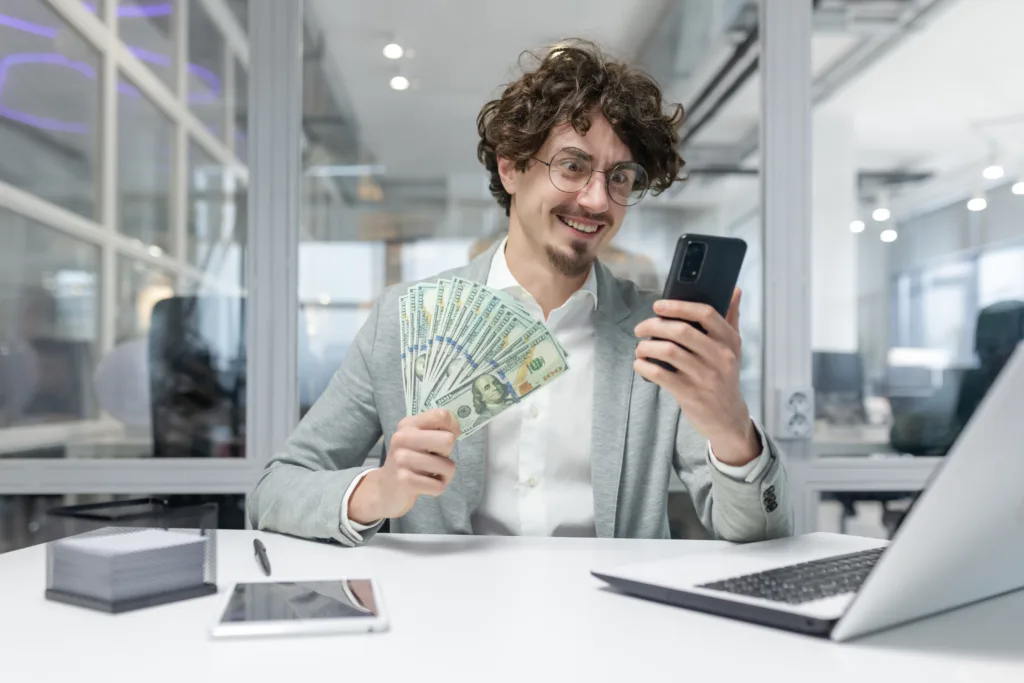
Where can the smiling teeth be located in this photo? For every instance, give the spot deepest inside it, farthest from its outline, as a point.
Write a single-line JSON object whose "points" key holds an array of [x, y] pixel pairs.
{"points": [[580, 226]]}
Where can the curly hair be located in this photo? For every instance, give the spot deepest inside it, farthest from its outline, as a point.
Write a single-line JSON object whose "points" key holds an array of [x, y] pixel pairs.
{"points": [[572, 79]]}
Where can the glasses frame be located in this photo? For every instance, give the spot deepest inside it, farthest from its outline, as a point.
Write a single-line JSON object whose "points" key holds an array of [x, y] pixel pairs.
{"points": [[607, 189]]}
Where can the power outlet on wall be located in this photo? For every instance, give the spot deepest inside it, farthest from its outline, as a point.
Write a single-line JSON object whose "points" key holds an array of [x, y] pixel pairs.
{"points": [[796, 413]]}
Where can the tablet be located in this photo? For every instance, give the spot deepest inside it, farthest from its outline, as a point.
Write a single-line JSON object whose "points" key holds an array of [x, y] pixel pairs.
{"points": [[279, 608]]}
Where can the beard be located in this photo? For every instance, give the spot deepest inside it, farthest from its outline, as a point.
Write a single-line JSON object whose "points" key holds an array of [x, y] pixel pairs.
{"points": [[571, 265]]}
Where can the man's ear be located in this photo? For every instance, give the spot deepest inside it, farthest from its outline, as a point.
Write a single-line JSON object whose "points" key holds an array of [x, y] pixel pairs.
{"points": [[508, 174]]}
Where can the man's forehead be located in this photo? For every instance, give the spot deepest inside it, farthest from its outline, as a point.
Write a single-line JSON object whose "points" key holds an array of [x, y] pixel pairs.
{"points": [[600, 142]]}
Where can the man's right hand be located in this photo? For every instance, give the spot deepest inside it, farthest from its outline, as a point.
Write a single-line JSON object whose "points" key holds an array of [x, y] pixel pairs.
{"points": [[418, 463]]}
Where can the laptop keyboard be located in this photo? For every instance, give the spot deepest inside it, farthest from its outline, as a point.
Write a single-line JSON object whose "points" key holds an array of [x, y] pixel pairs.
{"points": [[804, 582]]}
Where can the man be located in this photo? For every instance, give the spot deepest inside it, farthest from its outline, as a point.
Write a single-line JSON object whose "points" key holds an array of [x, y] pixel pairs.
{"points": [[569, 146]]}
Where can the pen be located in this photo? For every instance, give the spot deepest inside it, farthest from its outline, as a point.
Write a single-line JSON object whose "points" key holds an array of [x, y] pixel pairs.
{"points": [[261, 555]]}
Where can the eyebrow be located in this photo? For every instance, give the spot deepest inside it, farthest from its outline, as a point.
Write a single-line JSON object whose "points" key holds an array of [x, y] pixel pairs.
{"points": [[590, 156]]}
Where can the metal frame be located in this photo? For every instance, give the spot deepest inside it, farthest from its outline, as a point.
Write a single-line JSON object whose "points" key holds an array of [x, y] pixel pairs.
{"points": [[275, 126], [29, 476], [786, 131]]}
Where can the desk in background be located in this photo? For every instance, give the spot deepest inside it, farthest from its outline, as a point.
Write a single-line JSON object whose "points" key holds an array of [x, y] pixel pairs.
{"points": [[481, 609]]}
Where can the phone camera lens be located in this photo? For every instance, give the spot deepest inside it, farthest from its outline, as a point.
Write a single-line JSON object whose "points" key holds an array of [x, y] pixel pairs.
{"points": [[693, 258]]}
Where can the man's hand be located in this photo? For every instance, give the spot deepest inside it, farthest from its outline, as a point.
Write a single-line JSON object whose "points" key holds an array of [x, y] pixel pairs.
{"points": [[418, 463], [707, 382]]}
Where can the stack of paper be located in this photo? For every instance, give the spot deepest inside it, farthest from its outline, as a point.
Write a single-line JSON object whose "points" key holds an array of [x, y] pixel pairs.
{"points": [[473, 351], [121, 566]]}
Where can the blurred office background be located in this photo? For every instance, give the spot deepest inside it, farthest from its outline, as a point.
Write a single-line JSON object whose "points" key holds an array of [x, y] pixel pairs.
{"points": [[125, 257]]}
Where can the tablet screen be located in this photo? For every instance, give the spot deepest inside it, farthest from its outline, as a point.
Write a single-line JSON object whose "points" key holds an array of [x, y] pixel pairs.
{"points": [[290, 601]]}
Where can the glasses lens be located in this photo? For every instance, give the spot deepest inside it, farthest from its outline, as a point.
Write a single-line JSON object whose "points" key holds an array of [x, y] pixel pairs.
{"points": [[570, 170], [627, 184]]}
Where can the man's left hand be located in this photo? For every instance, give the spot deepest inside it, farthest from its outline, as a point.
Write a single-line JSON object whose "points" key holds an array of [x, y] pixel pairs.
{"points": [[707, 382]]}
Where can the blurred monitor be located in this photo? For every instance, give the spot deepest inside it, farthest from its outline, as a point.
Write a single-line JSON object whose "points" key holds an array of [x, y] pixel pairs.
{"points": [[838, 379]]}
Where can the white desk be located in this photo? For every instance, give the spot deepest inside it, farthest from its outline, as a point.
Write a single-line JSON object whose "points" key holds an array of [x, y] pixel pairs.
{"points": [[480, 609]]}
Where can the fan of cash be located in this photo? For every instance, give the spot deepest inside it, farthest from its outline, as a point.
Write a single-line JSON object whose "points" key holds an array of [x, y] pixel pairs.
{"points": [[472, 350]]}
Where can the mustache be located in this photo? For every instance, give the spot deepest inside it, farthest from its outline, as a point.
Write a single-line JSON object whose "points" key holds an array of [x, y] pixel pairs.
{"points": [[571, 210]]}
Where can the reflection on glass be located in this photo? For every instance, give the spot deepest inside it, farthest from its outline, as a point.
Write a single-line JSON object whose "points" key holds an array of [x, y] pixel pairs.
{"points": [[216, 220], [139, 287], [49, 324], [24, 522], [911, 330], [144, 140], [145, 26], [241, 142], [49, 108], [206, 68]]}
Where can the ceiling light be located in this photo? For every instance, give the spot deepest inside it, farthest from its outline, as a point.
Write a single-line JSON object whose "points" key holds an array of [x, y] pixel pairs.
{"points": [[399, 83], [155, 251], [880, 214], [993, 172], [856, 226], [888, 235], [977, 204], [1018, 187], [393, 51], [325, 299]]}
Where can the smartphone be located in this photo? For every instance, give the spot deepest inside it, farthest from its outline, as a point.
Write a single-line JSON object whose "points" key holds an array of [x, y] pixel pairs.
{"points": [[704, 270]]}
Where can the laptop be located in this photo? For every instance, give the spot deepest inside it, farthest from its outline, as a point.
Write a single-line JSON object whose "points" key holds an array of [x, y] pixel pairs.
{"points": [[961, 542]]}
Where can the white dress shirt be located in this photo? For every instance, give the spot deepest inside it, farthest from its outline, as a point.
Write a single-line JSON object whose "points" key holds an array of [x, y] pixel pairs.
{"points": [[537, 472]]}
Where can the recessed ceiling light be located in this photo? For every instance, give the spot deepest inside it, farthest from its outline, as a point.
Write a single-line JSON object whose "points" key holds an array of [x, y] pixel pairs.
{"points": [[1018, 187], [399, 83], [993, 172], [856, 226], [880, 214], [977, 204], [393, 51], [888, 235]]}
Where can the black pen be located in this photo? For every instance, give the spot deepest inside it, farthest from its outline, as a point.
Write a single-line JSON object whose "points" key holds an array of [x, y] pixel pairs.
{"points": [[261, 555]]}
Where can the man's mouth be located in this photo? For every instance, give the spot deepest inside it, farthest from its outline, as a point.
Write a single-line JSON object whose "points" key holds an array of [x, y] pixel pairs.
{"points": [[587, 227]]}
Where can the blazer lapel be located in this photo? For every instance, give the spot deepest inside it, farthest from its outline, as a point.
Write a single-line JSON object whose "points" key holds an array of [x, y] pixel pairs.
{"points": [[613, 385]]}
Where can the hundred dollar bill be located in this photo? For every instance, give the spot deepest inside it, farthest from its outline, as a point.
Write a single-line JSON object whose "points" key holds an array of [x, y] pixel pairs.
{"points": [[403, 324], [457, 291], [423, 312], [516, 375], [478, 321]]}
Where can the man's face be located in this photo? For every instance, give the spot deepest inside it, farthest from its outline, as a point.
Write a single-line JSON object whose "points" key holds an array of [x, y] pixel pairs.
{"points": [[490, 391], [545, 214]]}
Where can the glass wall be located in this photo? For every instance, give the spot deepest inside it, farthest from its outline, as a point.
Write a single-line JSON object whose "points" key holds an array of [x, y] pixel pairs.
{"points": [[121, 305], [918, 248]]}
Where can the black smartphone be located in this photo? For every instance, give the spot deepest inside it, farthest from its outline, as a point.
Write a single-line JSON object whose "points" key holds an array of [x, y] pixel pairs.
{"points": [[704, 270]]}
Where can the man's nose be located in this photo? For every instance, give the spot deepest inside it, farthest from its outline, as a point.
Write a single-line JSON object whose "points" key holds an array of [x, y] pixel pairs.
{"points": [[594, 197]]}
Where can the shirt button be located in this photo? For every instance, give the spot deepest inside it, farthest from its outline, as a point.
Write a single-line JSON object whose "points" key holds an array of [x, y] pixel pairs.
{"points": [[534, 411]]}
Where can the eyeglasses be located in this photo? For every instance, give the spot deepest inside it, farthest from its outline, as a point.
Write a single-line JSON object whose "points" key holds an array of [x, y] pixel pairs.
{"points": [[570, 171]]}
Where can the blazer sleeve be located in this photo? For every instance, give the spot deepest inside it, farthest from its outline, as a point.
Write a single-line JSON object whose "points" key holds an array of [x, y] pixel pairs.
{"points": [[756, 509], [301, 490]]}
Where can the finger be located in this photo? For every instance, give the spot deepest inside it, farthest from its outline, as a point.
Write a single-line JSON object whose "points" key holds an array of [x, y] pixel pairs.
{"points": [[733, 316], [708, 318], [437, 418], [436, 441], [658, 374], [670, 352], [420, 484], [680, 332], [426, 464]]}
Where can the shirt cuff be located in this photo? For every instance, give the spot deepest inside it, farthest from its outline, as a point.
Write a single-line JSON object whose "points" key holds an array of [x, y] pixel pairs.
{"points": [[752, 470], [354, 528]]}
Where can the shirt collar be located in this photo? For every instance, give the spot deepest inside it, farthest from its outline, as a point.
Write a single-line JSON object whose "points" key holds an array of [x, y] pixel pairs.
{"points": [[500, 277]]}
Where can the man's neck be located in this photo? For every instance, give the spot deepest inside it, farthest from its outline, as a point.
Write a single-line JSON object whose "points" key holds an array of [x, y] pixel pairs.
{"points": [[535, 273]]}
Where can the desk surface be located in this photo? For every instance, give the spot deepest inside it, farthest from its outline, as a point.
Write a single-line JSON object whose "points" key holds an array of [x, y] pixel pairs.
{"points": [[480, 609]]}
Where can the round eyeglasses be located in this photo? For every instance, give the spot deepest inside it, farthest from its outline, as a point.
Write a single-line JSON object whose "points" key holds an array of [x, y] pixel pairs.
{"points": [[570, 171]]}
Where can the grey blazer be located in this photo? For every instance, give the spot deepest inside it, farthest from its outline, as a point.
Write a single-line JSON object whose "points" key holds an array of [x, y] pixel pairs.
{"points": [[640, 439]]}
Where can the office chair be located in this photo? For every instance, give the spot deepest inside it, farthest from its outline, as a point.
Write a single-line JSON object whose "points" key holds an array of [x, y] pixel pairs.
{"points": [[197, 377]]}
